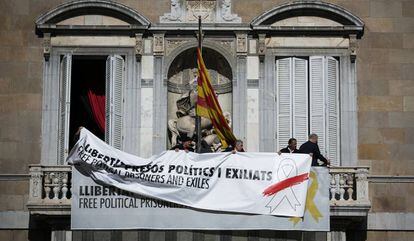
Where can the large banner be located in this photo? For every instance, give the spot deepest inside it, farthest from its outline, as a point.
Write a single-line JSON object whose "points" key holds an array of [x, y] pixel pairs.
{"points": [[179, 190]]}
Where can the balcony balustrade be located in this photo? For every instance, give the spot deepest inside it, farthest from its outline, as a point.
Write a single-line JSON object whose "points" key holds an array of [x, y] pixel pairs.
{"points": [[50, 190]]}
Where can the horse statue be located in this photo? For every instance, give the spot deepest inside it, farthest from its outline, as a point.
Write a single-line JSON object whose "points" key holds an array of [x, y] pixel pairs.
{"points": [[184, 124]]}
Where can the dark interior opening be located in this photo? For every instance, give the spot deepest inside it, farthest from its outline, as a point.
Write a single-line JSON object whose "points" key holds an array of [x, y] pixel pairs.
{"points": [[88, 74]]}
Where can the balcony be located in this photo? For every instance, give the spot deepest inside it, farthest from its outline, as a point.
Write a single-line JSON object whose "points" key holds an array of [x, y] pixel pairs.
{"points": [[50, 192]]}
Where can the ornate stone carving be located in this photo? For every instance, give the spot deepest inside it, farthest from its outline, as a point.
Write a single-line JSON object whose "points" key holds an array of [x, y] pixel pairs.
{"points": [[262, 47], [176, 13], [138, 46], [211, 11], [226, 12], [158, 47], [171, 44], [46, 46], [228, 44], [353, 45], [242, 44], [205, 9]]}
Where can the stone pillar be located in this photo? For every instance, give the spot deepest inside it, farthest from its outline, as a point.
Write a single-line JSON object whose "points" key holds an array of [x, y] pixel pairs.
{"points": [[240, 88], [147, 100], [160, 97], [362, 186], [267, 98], [132, 108], [36, 184], [50, 110], [252, 121]]}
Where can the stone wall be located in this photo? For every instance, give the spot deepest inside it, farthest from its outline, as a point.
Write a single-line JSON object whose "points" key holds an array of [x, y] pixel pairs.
{"points": [[385, 69]]}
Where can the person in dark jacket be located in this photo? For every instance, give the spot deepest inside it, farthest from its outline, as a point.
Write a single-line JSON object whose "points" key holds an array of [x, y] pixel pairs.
{"points": [[186, 145], [291, 148], [311, 147], [238, 147]]}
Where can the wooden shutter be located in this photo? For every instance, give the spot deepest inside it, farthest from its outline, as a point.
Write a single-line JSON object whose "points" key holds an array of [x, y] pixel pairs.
{"points": [[300, 100], [114, 100], [284, 103], [317, 100], [64, 106], [332, 109]]}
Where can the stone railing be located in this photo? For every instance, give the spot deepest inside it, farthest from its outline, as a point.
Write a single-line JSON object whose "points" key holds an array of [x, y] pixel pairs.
{"points": [[348, 191], [50, 189]]}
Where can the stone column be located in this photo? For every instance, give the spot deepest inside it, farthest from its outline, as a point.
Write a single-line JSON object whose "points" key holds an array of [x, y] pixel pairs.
{"points": [[160, 97], [50, 110], [267, 98], [132, 108], [240, 88]]}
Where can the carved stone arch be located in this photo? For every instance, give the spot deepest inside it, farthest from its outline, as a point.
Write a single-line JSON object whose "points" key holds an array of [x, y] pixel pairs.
{"points": [[228, 55], [351, 24], [46, 23]]}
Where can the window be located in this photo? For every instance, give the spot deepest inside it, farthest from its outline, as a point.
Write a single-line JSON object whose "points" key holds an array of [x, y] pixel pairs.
{"points": [[307, 90], [79, 77]]}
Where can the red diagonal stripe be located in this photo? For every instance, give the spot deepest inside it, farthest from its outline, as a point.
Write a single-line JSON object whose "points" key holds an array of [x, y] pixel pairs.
{"points": [[273, 189]]}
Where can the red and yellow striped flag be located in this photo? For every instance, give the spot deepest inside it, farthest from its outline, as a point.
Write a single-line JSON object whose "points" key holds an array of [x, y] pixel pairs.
{"points": [[208, 105]]}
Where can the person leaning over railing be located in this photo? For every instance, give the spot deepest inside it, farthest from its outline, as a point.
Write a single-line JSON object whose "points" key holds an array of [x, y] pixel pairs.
{"points": [[311, 147]]}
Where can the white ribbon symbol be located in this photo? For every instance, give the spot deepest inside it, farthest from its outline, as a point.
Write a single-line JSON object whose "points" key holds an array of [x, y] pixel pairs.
{"points": [[287, 168]]}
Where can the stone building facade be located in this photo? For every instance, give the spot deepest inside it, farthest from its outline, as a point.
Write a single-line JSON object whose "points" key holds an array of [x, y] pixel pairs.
{"points": [[362, 51]]}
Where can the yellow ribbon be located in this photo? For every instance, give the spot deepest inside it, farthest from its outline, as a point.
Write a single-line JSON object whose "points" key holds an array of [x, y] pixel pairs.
{"points": [[310, 204]]}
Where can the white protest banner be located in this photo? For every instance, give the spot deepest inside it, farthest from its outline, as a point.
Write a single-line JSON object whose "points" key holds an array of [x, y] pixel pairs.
{"points": [[255, 183], [96, 207]]}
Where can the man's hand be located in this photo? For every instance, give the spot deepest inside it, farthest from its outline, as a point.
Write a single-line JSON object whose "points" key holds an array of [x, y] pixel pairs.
{"points": [[79, 130], [177, 150], [311, 154], [279, 153], [233, 152]]}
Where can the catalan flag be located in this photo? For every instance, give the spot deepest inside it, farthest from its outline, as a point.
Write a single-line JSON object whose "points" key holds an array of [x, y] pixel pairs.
{"points": [[208, 105]]}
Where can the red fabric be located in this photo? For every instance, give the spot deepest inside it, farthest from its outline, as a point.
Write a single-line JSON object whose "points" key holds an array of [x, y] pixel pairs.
{"points": [[97, 103], [285, 184]]}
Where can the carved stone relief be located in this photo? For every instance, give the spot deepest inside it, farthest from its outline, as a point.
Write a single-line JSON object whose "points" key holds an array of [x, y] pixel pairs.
{"points": [[211, 11], [172, 44], [158, 47]]}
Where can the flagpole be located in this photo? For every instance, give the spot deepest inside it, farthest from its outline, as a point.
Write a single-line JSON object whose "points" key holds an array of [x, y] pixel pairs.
{"points": [[198, 118]]}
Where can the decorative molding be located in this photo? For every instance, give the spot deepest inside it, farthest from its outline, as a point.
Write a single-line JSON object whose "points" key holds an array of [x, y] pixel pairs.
{"points": [[14, 177], [353, 45], [46, 23], [211, 11], [171, 44], [390, 179], [47, 44], [228, 44], [241, 39], [139, 47], [262, 47], [290, 9], [158, 44]]}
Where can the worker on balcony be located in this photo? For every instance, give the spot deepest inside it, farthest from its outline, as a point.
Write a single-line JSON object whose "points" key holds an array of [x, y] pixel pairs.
{"points": [[311, 147]]}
